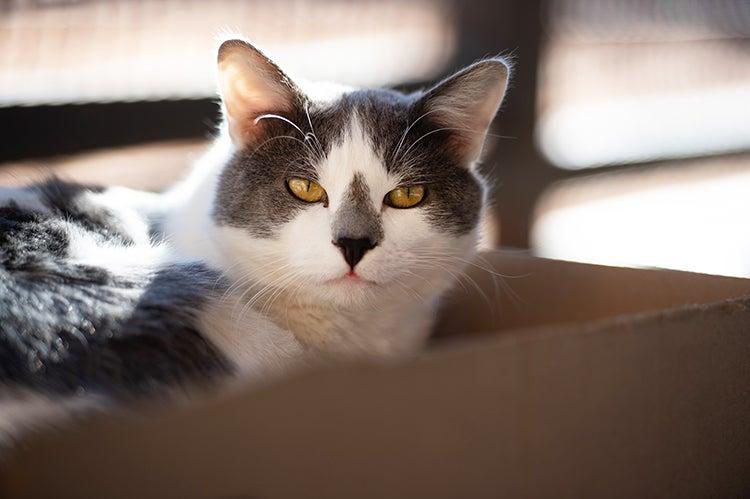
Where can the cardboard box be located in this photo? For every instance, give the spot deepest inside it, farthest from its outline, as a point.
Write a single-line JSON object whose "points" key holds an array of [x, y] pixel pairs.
{"points": [[592, 382]]}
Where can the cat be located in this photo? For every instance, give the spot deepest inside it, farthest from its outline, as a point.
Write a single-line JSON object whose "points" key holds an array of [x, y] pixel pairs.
{"points": [[324, 222]]}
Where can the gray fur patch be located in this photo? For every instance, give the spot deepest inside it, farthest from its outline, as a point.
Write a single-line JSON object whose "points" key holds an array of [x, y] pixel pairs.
{"points": [[415, 148], [356, 218], [71, 328], [252, 192]]}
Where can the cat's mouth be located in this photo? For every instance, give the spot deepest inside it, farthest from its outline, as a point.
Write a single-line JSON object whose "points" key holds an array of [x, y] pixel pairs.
{"points": [[351, 277]]}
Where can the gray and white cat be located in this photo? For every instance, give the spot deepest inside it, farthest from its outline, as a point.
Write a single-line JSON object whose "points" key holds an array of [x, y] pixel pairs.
{"points": [[324, 221]]}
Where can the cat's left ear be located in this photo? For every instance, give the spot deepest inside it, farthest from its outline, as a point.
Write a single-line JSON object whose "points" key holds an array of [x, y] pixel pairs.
{"points": [[466, 103], [251, 85]]}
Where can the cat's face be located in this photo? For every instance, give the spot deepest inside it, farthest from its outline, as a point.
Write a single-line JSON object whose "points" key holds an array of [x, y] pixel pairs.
{"points": [[366, 195]]}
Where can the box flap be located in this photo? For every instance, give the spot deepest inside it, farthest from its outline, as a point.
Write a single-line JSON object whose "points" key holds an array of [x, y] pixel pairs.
{"points": [[506, 290]]}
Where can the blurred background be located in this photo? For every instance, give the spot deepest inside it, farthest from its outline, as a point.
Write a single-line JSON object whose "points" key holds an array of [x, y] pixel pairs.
{"points": [[628, 122]]}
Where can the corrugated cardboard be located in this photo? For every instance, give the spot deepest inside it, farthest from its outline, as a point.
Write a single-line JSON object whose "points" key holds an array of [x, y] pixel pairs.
{"points": [[569, 398]]}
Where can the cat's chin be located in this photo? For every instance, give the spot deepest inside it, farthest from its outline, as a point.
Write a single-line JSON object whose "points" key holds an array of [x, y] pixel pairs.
{"points": [[350, 289]]}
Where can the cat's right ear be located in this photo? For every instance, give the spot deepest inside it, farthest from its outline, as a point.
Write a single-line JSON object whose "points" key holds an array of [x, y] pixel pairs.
{"points": [[251, 85]]}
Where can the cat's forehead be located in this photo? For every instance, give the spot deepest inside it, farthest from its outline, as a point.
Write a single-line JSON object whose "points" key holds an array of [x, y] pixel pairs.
{"points": [[381, 115], [361, 130], [354, 154], [358, 129]]}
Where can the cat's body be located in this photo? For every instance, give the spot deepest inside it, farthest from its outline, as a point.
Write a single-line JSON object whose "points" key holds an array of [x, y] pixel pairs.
{"points": [[238, 269]]}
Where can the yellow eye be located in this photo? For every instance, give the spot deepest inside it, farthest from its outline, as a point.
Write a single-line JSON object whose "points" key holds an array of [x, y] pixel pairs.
{"points": [[306, 190], [405, 197]]}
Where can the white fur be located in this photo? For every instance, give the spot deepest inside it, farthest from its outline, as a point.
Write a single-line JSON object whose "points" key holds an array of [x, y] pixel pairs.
{"points": [[123, 204], [188, 224]]}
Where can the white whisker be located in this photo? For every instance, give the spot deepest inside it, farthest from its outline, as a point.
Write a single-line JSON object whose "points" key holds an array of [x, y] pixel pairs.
{"points": [[401, 142], [276, 116], [422, 137]]}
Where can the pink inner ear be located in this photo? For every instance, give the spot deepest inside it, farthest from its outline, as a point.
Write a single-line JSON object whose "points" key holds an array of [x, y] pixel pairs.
{"points": [[469, 123], [250, 86], [469, 109]]}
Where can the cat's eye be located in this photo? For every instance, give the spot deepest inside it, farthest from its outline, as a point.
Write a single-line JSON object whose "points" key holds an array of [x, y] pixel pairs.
{"points": [[306, 190], [405, 197]]}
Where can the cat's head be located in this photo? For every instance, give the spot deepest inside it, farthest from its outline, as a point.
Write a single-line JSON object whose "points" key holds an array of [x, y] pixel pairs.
{"points": [[355, 195]]}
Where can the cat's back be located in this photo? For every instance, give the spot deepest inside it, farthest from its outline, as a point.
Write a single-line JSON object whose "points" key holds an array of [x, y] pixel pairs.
{"points": [[90, 302]]}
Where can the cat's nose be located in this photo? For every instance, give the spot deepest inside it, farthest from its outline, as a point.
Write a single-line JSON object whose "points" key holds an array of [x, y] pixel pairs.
{"points": [[353, 249]]}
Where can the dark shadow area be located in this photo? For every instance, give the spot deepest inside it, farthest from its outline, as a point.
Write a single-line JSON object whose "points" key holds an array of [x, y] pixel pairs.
{"points": [[43, 131]]}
